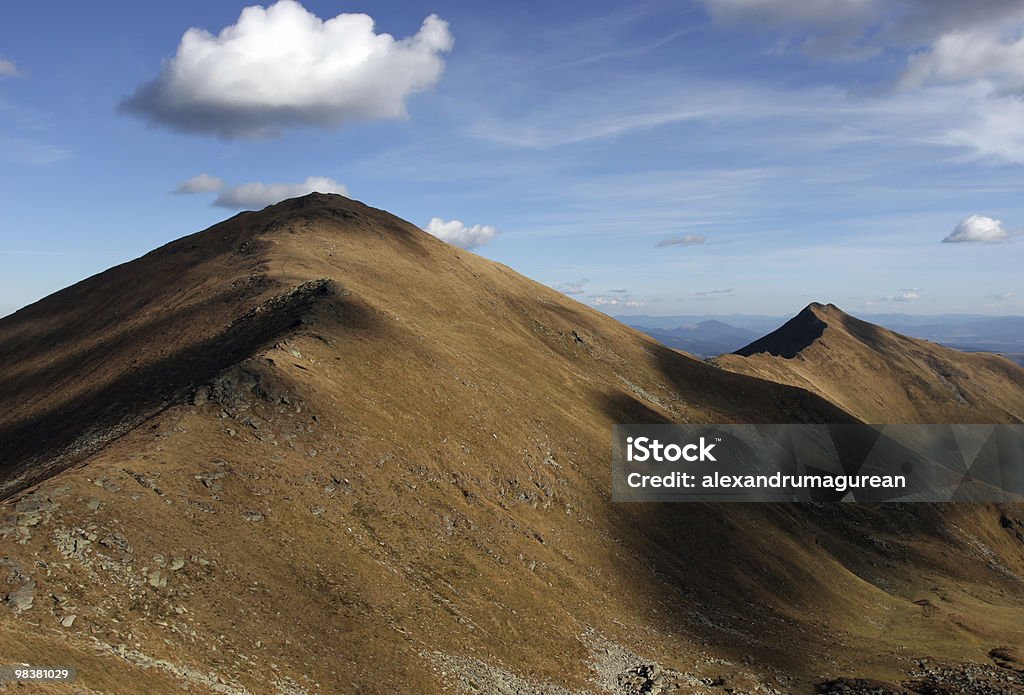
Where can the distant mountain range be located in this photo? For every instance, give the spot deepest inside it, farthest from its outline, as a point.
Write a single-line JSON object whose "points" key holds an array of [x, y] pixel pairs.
{"points": [[709, 336], [706, 338]]}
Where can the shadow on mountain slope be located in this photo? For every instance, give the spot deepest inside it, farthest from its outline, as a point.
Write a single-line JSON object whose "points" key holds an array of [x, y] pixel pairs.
{"points": [[102, 412]]}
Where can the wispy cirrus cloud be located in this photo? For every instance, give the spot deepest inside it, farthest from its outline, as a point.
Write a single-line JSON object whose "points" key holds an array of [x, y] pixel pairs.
{"points": [[715, 293], [573, 287], [23, 139], [905, 295], [684, 240], [951, 92], [605, 302], [30, 150]]}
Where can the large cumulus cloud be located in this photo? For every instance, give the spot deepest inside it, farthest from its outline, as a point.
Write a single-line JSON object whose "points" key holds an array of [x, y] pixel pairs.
{"points": [[978, 229], [283, 66], [457, 233]]}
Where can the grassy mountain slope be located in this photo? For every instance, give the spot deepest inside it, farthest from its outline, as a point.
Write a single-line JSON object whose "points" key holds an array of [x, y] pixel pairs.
{"points": [[881, 376], [313, 449]]}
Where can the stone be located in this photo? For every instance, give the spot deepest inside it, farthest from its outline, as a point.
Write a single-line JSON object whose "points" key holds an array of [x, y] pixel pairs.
{"points": [[116, 541], [201, 395], [21, 599]]}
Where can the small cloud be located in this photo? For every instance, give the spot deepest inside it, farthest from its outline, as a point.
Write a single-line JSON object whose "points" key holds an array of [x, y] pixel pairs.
{"points": [[456, 233], [203, 183], [619, 291], [8, 69], [911, 295], [1002, 296], [257, 195], [575, 287], [978, 229], [616, 302], [282, 66], [685, 240], [710, 294]]}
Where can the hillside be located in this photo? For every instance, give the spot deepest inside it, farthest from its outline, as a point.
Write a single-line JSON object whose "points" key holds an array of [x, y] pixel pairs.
{"points": [[313, 449], [881, 376]]}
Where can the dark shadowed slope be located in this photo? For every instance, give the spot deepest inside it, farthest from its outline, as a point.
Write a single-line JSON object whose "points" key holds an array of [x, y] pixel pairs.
{"points": [[792, 337]]}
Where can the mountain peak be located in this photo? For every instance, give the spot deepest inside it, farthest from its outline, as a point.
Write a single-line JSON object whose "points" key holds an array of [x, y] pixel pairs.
{"points": [[825, 312], [882, 376], [317, 223], [314, 200], [796, 334]]}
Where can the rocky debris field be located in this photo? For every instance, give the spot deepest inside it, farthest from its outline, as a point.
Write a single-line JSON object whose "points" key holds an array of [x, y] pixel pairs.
{"points": [[1004, 677]]}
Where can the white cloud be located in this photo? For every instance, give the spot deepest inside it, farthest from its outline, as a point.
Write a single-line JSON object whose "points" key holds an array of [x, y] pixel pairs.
{"points": [[994, 130], [902, 296], [283, 66], [8, 69], [203, 183], [970, 54], [613, 302], [685, 240], [575, 287], [962, 56], [911, 294], [455, 232], [978, 229], [258, 195], [711, 293], [1002, 296]]}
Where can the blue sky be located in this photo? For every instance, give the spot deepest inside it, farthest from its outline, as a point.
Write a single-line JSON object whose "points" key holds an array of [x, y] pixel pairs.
{"points": [[714, 156]]}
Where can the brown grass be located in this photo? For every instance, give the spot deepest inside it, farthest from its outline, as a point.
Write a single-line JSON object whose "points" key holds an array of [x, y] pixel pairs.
{"points": [[414, 459]]}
